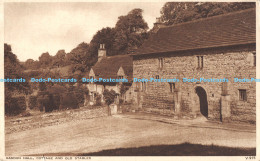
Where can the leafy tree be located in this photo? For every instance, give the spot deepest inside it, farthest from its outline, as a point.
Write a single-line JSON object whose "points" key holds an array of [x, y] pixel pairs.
{"points": [[178, 12], [59, 59], [131, 31], [13, 70], [79, 58], [31, 64], [104, 36], [109, 98], [42, 86], [45, 60]]}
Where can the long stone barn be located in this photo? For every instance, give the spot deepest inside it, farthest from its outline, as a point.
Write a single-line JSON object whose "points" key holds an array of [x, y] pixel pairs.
{"points": [[220, 47]]}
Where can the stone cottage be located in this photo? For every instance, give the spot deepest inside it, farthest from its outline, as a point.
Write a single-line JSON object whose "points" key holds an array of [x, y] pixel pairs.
{"points": [[114, 67], [221, 47]]}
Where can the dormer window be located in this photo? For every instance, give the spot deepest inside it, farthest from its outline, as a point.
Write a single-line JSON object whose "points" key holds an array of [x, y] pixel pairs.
{"points": [[120, 77]]}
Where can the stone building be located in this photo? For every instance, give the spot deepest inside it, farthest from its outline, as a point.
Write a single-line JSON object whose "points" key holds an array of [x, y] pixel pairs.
{"points": [[114, 67], [220, 47]]}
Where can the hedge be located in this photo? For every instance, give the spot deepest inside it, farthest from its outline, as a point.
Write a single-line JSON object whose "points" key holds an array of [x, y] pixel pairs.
{"points": [[14, 105]]}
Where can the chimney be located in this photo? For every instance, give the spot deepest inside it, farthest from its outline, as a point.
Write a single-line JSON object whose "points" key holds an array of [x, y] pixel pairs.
{"points": [[158, 24], [101, 52]]}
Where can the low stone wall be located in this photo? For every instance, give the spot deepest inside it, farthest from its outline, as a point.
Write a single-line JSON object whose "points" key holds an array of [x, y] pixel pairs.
{"points": [[49, 119]]}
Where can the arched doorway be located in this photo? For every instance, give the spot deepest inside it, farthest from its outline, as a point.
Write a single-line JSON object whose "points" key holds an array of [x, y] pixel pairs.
{"points": [[203, 101]]}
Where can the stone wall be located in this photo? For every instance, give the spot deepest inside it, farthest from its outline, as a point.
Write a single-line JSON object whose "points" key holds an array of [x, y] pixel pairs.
{"points": [[229, 63], [55, 118]]}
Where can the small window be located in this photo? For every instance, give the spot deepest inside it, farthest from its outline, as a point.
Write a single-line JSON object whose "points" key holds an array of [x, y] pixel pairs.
{"points": [[91, 78], [120, 77], [157, 77], [242, 95], [254, 55], [200, 62], [143, 86], [160, 63], [172, 87]]}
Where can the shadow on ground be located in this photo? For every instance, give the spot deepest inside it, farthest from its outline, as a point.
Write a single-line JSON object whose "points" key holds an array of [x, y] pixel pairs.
{"points": [[185, 149]]}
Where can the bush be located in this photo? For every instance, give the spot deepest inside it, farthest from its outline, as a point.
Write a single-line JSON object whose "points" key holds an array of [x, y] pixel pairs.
{"points": [[43, 101], [32, 102], [98, 100], [80, 97], [69, 100], [121, 101], [14, 105], [109, 96]]}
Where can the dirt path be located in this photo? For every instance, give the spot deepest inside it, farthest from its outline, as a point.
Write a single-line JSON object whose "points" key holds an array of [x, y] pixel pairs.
{"points": [[92, 135]]}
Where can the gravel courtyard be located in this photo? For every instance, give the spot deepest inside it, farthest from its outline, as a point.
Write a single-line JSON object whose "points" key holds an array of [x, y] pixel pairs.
{"points": [[124, 131]]}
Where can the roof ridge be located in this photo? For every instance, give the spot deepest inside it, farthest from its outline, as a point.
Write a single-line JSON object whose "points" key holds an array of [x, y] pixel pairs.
{"points": [[117, 56], [208, 18]]}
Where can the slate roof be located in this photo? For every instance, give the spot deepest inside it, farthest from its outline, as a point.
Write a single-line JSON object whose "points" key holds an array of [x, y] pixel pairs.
{"points": [[109, 66], [224, 30]]}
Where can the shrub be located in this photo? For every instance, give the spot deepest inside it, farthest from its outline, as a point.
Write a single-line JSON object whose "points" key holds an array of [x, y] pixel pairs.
{"points": [[69, 100], [43, 101], [14, 105], [98, 100], [109, 98], [80, 97], [32, 102]]}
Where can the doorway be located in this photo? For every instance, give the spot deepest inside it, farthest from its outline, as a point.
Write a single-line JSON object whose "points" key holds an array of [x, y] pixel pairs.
{"points": [[202, 101]]}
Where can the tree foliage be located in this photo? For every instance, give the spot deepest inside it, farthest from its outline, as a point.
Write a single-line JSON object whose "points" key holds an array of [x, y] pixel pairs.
{"points": [[109, 96], [104, 36], [59, 59], [45, 60], [13, 70], [130, 31], [178, 12]]}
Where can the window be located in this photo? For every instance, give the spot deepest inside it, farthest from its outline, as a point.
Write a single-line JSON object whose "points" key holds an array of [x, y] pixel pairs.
{"points": [[200, 62], [143, 86], [172, 87], [160, 63], [157, 77], [242, 95], [120, 77], [91, 78], [254, 55], [224, 88]]}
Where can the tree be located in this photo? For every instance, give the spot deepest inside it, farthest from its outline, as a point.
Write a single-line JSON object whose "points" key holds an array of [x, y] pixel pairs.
{"points": [[104, 36], [79, 58], [31, 64], [109, 98], [13, 70], [59, 59], [45, 60], [178, 12], [131, 31]]}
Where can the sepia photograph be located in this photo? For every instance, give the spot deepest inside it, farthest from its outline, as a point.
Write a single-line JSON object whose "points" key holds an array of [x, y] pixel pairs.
{"points": [[159, 78]]}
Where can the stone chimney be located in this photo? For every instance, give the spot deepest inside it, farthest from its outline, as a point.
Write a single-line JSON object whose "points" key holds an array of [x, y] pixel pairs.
{"points": [[158, 24], [101, 52]]}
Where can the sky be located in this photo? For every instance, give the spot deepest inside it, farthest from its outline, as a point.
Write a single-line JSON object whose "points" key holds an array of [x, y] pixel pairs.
{"points": [[34, 28]]}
